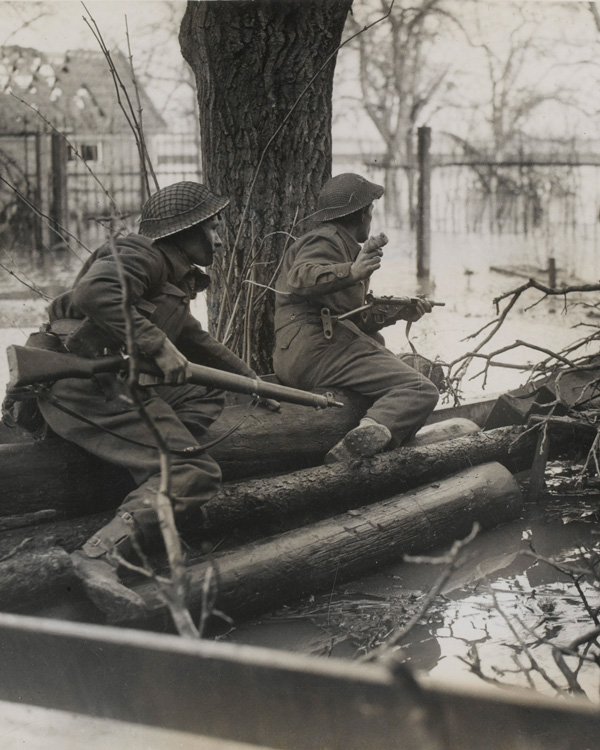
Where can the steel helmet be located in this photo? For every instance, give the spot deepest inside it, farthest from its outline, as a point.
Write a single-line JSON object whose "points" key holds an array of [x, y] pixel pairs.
{"points": [[178, 207], [344, 194]]}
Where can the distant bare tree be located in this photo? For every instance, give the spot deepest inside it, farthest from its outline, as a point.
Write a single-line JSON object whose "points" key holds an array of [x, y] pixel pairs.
{"points": [[520, 75], [168, 74], [398, 79], [19, 16]]}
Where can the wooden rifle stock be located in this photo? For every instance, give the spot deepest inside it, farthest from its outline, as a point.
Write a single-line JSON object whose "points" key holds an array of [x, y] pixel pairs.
{"points": [[30, 366]]}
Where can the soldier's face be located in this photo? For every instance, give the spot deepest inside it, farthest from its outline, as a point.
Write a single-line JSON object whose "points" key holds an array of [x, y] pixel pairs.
{"points": [[365, 226], [200, 243]]}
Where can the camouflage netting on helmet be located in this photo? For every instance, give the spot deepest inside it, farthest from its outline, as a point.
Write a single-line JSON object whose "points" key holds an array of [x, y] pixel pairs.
{"points": [[344, 194], [178, 207]]}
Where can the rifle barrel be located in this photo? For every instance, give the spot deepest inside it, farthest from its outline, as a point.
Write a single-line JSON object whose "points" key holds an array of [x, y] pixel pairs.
{"points": [[30, 366]]}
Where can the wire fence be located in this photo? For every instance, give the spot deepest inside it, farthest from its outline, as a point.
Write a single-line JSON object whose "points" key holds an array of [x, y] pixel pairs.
{"points": [[57, 188], [529, 209], [529, 212]]}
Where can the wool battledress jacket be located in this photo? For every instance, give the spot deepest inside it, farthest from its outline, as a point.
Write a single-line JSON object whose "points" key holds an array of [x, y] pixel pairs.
{"points": [[161, 283], [315, 274], [90, 320]]}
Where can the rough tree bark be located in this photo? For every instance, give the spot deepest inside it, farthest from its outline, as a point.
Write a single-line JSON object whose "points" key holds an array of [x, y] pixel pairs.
{"points": [[266, 141], [314, 558]]}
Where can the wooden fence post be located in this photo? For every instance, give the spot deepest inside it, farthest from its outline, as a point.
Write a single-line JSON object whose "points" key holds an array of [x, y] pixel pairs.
{"points": [[58, 188], [424, 204], [38, 227]]}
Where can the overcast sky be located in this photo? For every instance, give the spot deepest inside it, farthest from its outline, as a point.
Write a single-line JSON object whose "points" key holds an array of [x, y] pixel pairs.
{"points": [[62, 25]]}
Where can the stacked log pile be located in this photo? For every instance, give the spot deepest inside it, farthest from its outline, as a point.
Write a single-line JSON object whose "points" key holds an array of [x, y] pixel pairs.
{"points": [[466, 477]]}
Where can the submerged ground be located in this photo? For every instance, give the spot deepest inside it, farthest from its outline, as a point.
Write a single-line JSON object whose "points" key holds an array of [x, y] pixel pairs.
{"points": [[495, 620]]}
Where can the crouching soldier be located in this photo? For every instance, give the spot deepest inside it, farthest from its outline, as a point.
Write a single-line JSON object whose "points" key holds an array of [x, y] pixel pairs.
{"points": [[325, 274], [160, 266]]}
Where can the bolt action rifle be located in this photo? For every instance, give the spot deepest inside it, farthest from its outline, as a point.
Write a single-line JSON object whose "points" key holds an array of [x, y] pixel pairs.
{"points": [[29, 366]]}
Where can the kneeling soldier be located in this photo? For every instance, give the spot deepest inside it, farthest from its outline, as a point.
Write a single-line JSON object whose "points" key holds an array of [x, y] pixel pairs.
{"points": [[177, 234], [325, 274]]}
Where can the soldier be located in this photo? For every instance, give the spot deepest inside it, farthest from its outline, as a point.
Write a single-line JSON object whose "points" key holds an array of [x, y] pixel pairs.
{"points": [[178, 233], [326, 270]]}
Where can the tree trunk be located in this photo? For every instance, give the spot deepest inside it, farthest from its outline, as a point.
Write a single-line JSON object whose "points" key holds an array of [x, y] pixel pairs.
{"points": [[282, 502], [266, 142], [68, 481], [248, 510], [71, 482], [244, 511], [260, 506], [235, 505]]}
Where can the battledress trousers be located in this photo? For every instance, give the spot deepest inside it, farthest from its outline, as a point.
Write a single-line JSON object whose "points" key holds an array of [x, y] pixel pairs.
{"points": [[97, 415], [315, 273]]}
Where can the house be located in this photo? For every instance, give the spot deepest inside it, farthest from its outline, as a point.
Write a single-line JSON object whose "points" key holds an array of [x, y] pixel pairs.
{"points": [[67, 144]]}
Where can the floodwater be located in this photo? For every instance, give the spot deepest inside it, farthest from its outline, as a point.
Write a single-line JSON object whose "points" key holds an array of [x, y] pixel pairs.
{"points": [[460, 278], [499, 613], [501, 609], [495, 619]]}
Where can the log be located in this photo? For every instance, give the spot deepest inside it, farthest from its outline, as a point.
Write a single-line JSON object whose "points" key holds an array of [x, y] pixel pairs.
{"points": [[71, 482], [290, 500], [269, 573], [242, 511], [35, 575], [446, 430], [246, 511]]}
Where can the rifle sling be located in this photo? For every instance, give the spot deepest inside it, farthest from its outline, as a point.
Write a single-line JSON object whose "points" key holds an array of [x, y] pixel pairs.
{"points": [[192, 450]]}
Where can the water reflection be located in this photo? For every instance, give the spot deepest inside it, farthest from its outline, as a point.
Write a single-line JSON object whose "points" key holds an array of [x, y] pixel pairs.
{"points": [[495, 620]]}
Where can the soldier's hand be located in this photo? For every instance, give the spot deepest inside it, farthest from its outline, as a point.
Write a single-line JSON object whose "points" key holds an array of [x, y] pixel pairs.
{"points": [[367, 261], [423, 306], [269, 403], [173, 365]]}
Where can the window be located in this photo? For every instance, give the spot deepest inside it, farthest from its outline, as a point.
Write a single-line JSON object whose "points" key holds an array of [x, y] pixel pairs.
{"points": [[87, 152]]}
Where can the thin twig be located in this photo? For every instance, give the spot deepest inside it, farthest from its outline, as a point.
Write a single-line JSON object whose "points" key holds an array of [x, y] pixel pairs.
{"points": [[31, 286], [48, 221], [175, 593], [128, 111], [73, 148], [451, 560]]}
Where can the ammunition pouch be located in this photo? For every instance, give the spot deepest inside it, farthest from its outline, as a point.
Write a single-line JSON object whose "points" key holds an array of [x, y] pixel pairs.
{"points": [[85, 338]]}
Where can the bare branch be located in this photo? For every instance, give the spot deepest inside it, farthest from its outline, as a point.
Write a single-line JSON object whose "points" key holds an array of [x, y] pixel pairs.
{"points": [[451, 560]]}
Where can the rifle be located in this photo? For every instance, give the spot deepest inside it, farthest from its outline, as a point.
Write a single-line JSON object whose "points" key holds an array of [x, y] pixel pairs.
{"points": [[376, 313], [29, 365]]}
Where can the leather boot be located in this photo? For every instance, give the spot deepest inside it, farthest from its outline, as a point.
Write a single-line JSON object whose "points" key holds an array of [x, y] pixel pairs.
{"points": [[96, 567], [364, 441]]}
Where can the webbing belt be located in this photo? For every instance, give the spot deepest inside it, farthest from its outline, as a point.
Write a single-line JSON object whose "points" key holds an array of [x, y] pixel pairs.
{"points": [[328, 320]]}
